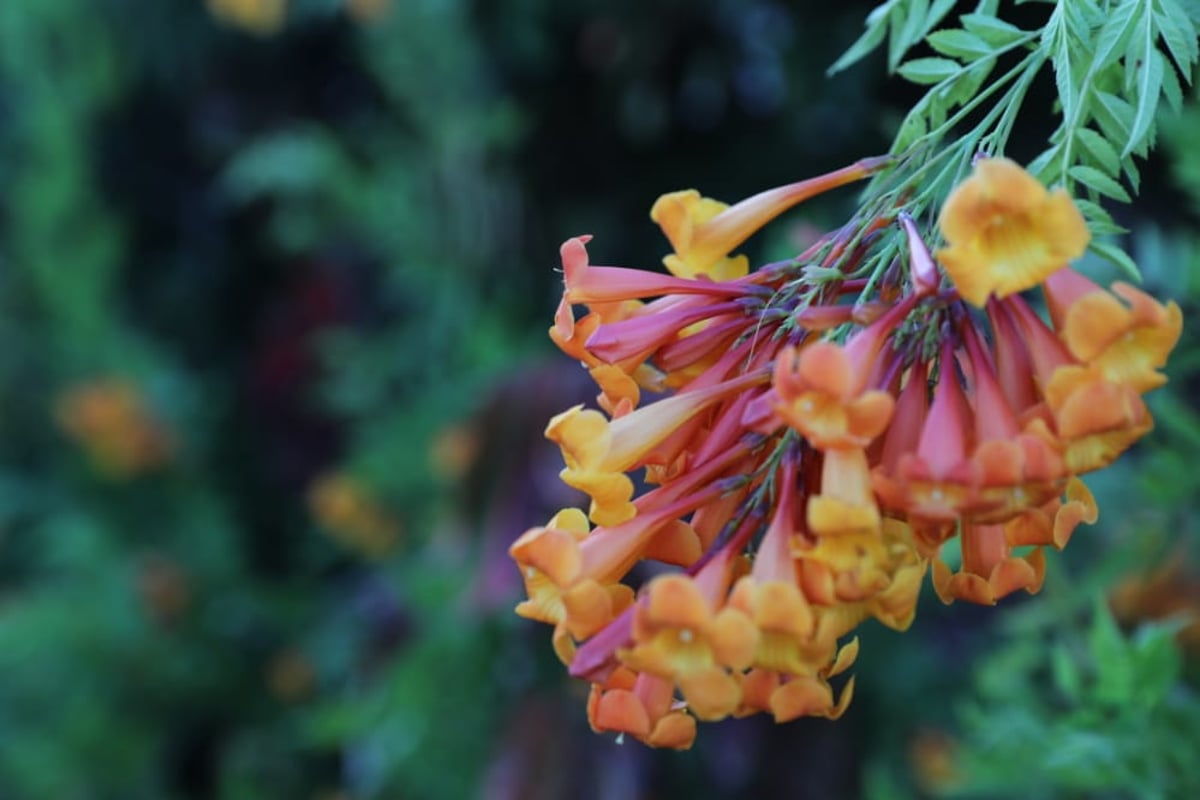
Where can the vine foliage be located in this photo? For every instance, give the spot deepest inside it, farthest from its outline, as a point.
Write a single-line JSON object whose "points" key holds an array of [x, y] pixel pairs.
{"points": [[1114, 63]]}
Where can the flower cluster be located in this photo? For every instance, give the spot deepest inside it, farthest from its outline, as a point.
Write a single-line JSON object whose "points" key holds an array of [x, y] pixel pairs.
{"points": [[820, 431]]}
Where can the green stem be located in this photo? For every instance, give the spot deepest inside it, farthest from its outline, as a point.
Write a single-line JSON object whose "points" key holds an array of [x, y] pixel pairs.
{"points": [[998, 138], [974, 102]]}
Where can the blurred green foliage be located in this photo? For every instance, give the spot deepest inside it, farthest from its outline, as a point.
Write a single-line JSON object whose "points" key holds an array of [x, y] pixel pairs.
{"points": [[328, 250], [1112, 719]]}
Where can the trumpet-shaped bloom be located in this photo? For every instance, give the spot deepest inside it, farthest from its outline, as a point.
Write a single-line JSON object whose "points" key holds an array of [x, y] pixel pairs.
{"points": [[772, 599], [1127, 341], [619, 392], [684, 214], [586, 283], [598, 452], [824, 392], [989, 571], [896, 605], [656, 325], [937, 481], [571, 336], [572, 576], [680, 633], [642, 706], [845, 506], [1095, 419], [973, 459], [558, 591], [925, 277], [787, 697], [819, 394], [1053, 523], [704, 232], [1005, 233], [1016, 468]]}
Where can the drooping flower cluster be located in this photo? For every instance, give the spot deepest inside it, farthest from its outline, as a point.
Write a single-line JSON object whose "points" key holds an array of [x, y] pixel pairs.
{"points": [[818, 436]]}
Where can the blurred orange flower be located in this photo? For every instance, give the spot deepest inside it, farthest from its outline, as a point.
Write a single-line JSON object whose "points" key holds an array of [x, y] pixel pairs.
{"points": [[931, 754], [164, 588], [453, 451], [290, 676], [109, 419], [368, 11], [347, 511], [261, 17], [1172, 588]]}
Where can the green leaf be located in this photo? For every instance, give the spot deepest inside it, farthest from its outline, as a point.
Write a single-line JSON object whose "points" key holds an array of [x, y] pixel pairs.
{"points": [[1038, 168], [877, 24], [1112, 657], [912, 129], [1156, 659], [1179, 32], [958, 43], [995, 32], [921, 19], [1116, 32], [1114, 115], [1057, 40], [1066, 673], [937, 13], [1132, 174], [906, 32], [1149, 87], [960, 90], [1100, 222], [1079, 759], [1171, 89], [929, 70], [1117, 257], [1097, 180], [1101, 150], [286, 163]]}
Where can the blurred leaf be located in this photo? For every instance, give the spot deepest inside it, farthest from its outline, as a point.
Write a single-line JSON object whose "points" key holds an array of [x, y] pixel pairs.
{"points": [[1118, 257], [1095, 179], [928, 70], [958, 43]]}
